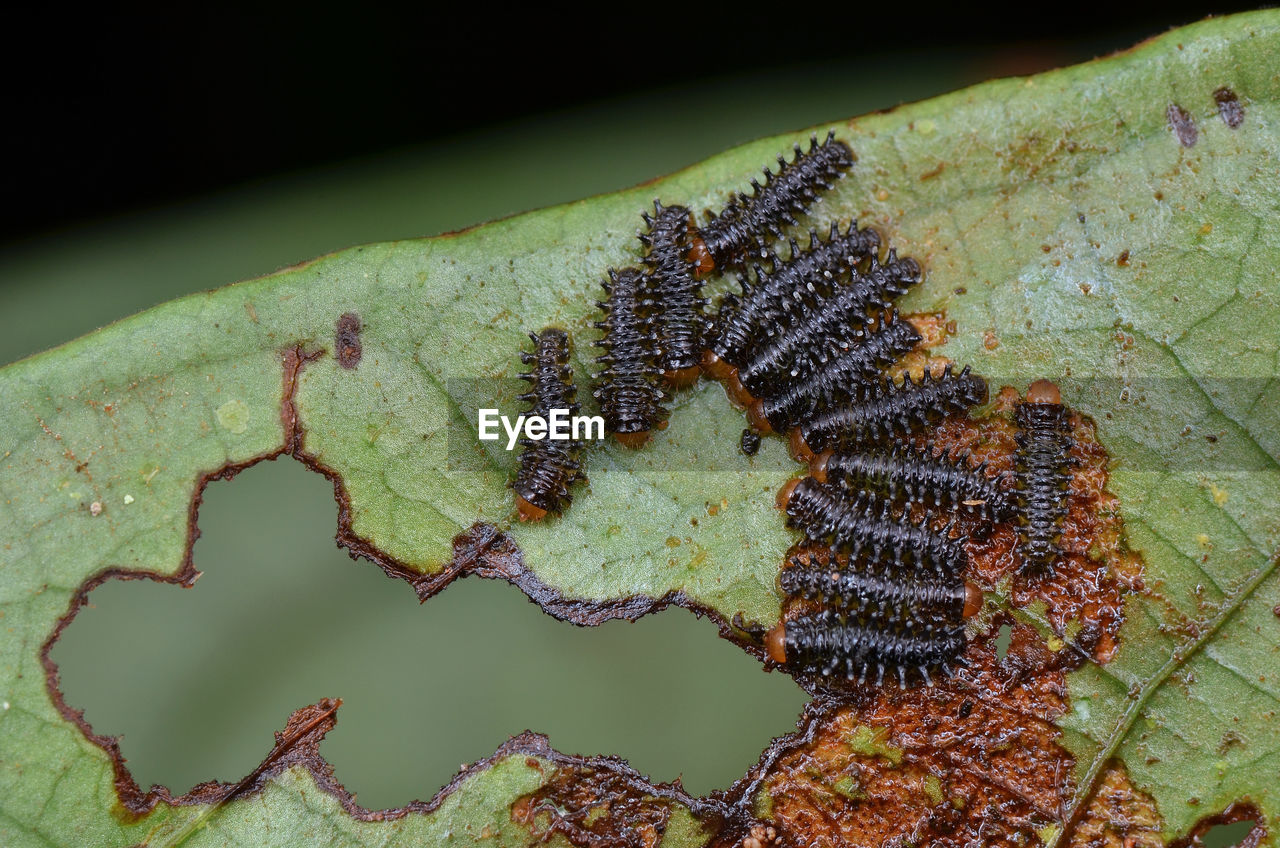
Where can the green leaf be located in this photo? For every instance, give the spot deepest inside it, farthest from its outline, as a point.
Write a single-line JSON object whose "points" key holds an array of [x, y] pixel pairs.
{"points": [[1059, 217]]}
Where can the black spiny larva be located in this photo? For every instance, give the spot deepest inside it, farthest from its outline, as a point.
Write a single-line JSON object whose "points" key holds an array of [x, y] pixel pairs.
{"points": [[748, 223], [787, 401], [1044, 441], [889, 409], [836, 645], [863, 524], [677, 294], [874, 593], [749, 443], [829, 327], [630, 399], [547, 467], [918, 476], [790, 288]]}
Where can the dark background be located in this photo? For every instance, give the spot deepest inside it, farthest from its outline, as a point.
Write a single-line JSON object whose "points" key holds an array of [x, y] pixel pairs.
{"points": [[149, 156], [124, 109]]}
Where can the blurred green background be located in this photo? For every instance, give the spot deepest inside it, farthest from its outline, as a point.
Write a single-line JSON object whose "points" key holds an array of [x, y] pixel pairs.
{"points": [[197, 680]]}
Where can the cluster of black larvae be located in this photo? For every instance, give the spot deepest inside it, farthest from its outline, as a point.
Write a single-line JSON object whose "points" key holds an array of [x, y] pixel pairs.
{"points": [[806, 346]]}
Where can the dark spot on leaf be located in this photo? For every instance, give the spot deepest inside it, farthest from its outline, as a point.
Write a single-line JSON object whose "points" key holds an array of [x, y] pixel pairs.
{"points": [[1123, 259], [1183, 125], [1229, 108], [346, 344]]}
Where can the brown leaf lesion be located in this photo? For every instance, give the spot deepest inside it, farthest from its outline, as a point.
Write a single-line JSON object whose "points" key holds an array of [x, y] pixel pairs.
{"points": [[975, 760], [593, 809]]}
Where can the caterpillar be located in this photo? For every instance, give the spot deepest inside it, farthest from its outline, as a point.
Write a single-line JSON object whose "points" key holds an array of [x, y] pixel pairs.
{"points": [[837, 645], [880, 344], [792, 286], [676, 294], [919, 477], [547, 468], [875, 594], [826, 330], [889, 409], [749, 443], [864, 524], [748, 223], [1044, 440], [626, 388]]}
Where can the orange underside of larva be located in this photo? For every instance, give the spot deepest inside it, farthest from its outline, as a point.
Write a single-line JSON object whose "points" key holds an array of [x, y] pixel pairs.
{"points": [[529, 512]]}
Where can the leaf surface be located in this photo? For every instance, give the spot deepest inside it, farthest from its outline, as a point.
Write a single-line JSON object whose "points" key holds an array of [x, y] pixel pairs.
{"points": [[1068, 228]]}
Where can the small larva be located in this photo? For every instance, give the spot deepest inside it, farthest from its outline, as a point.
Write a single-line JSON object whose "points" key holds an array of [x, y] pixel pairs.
{"points": [[785, 402], [748, 223], [630, 399], [863, 524], [679, 306], [547, 468], [1044, 441], [749, 443], [874, 594], [889, 409], [918, 477], [828, 327], [791, 287], [836, 645]]}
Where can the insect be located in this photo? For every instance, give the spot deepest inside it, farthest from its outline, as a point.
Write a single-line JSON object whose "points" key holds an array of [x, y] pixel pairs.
{"points": [[864, 524], [873, 593], [748, 223], [918, 476], [630, 399], [749, 444], [1044, 441], [836, 644], [547, 467], [880, 344], [676, 293], [830, 326], [790, 288], [887, 410]]}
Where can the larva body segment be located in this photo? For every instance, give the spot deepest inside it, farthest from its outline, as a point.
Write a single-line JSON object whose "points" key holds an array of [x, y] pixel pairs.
{"points": [[626, 387], [547, 467], [889, 410], [771, 298], [788, 399], [835, 645], [875, 594], [677, 294], [865, 526], [748, 223], [1042, 463], [918, 477], [831, 326]]}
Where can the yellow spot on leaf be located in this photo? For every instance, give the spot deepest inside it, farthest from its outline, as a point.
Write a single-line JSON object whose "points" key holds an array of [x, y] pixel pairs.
{"points": [[233, 416]]}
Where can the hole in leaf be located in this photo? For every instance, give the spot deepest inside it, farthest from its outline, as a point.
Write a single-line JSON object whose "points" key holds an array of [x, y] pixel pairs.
{"points": [[197, 681], [1003, 638], [1227, 835]]}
